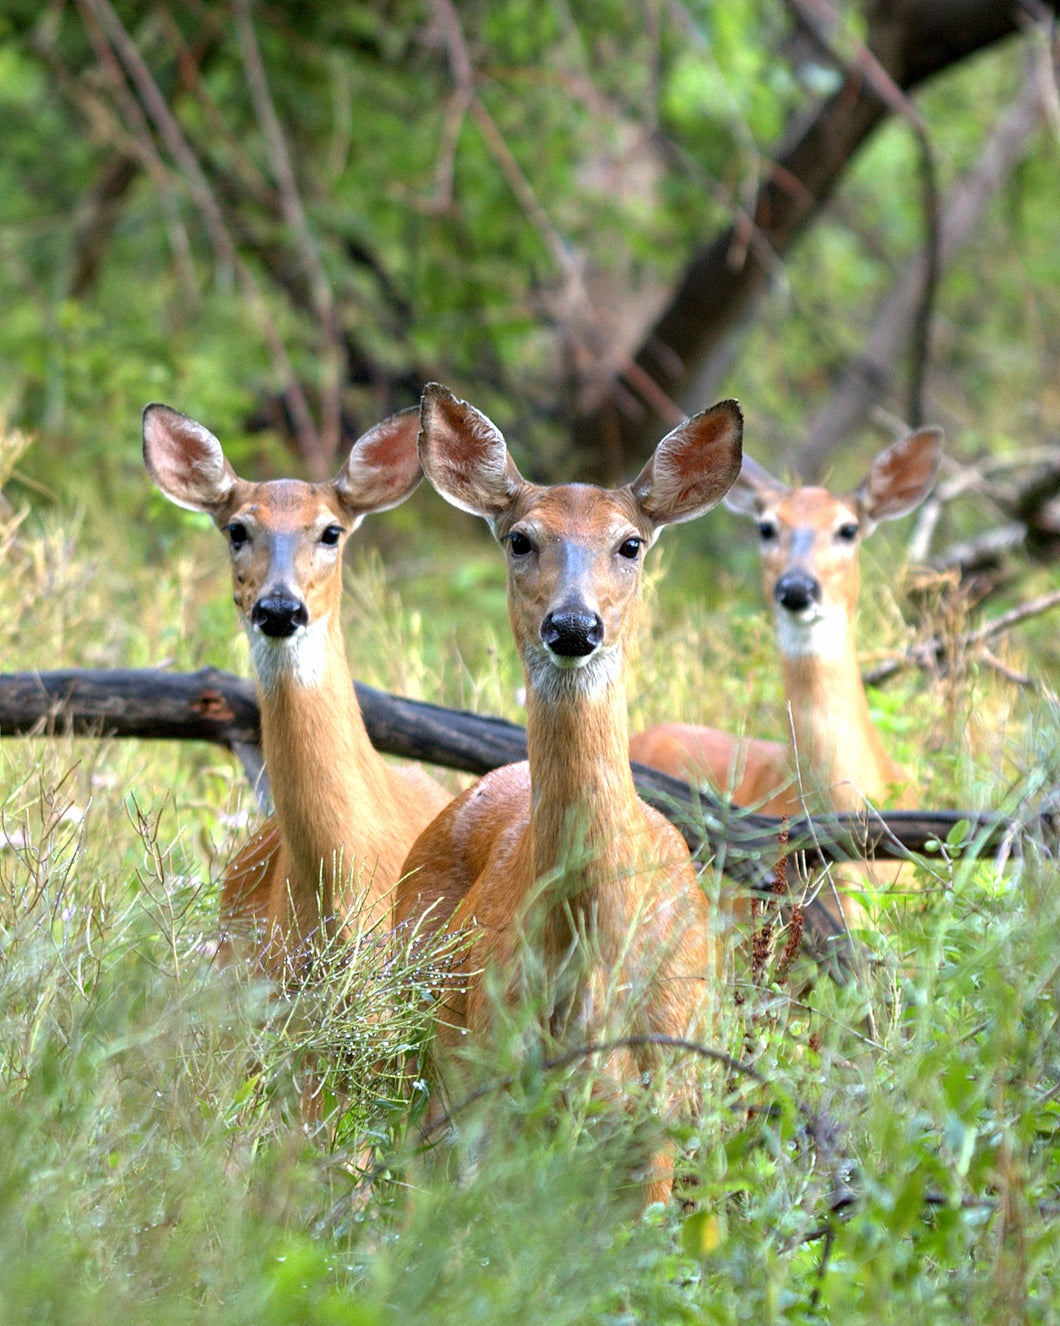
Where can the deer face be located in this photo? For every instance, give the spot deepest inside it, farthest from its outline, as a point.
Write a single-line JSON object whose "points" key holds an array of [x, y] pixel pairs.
{"points": [[575, 556], [285, 537]]}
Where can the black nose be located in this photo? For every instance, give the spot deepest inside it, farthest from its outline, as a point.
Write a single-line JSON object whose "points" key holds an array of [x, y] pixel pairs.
{"points": [[796, 590], [279, 615], [572, 634]]}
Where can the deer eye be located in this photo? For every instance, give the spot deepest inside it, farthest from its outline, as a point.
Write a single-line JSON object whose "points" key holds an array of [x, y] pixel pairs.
{"points": [[519, 544], [847, 533], [238, 534], [767, 530], [630, 548], [331, 535]]}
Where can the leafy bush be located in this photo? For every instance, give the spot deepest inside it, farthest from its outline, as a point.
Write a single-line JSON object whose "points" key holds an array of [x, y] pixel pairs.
{"points": [[880, 1149]]}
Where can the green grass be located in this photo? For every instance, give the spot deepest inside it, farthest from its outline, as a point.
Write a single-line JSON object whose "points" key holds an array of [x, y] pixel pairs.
{"points": [[894, 1156]]}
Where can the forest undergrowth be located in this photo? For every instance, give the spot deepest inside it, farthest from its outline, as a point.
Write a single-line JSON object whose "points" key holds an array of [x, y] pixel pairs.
{"points": [[877, 1149]]}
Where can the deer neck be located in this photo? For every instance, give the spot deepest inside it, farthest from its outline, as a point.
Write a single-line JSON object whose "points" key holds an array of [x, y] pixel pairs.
{"points": [[838, 749], [322, 767], [583, 799]]}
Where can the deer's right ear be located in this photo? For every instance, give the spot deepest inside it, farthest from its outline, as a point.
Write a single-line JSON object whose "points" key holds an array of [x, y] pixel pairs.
{"points": [[753, 490], [186, 461], [464, 455]]}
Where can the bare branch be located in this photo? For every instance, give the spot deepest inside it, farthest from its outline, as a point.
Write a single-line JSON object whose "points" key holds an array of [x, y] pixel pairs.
{"points": [[580, 320], [334, 353], [147, 156], [133, 143], [468, 102], [928, 653], [868, 377], [170, 131]]}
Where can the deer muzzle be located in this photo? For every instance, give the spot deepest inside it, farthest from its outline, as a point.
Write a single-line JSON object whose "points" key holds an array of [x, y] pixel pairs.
{"points": [[279, 614], [572, 633]]}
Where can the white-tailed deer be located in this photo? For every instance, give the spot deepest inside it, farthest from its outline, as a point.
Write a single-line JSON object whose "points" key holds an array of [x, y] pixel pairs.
{"points": [[556, 862], [809, 540], [344, 818]]}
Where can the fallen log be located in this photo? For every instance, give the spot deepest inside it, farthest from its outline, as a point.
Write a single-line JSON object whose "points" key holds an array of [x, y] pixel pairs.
{"points": [[215, 706]]}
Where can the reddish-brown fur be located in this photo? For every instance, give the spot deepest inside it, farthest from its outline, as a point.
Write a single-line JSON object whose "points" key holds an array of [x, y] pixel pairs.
{"points": [[344, 818], [809, 542], [558, 858]]}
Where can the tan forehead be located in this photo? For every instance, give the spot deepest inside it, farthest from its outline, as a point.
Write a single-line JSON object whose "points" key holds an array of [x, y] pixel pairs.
{"points": [[577, 511], [285, 504], [813, 508]]}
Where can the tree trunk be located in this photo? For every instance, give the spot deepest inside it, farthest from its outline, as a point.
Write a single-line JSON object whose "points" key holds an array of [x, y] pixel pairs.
{"points": [[868, 377], [908, 41]]}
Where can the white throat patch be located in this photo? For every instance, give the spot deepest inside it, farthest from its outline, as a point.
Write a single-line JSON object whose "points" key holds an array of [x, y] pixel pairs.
{"points": [[299, 659], [554, 676], [817, 631]]}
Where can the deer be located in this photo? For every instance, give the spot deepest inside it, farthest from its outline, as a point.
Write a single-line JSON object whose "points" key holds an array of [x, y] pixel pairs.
{"points": [[570, 890], [344, 818], [809, 540]]}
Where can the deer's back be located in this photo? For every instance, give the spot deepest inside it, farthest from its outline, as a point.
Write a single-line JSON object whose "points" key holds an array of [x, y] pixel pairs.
{"points": [[754, 772]]}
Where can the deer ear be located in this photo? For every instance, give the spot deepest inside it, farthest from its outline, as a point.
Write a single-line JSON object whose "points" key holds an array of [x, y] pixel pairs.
{"points": [[186, 461], [754, 489], [693, 467], [901, 476], [383, 467], [464, 455]]}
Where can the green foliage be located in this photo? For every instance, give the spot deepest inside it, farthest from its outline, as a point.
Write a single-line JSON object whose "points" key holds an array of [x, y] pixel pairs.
{"points": [[897, 1157], [513, 235], [892, 1154], [453, 240]]}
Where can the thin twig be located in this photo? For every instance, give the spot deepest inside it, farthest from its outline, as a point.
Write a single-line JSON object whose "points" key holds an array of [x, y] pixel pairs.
{"points": [[335, 359], [582, 322], [579, 1052], [173, 136], [927, 653], [145, 152]]}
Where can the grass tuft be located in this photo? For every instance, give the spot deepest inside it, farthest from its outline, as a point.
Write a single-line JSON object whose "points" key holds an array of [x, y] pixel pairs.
{"points": [[893, 1154]]}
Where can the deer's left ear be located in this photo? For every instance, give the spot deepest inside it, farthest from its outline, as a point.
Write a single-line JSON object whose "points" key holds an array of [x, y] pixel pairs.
{"points": [[754, 489], [693, 467], [383, 467], [901, 476]]}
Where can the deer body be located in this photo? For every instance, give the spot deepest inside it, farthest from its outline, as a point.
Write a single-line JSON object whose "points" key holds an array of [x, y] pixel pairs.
{"points": [[558, 858], [809, 544], [344, 818]]}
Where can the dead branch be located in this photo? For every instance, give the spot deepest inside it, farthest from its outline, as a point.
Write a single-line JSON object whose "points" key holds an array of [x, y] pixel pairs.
{"points": [[1023, 491], [218, 707], [867, 378], [169, 130], [929, 653]]}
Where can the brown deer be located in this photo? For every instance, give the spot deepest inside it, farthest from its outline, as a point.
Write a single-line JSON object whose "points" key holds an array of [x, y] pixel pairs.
{"points": [[555, 865], [809, 539], [344, 818]]}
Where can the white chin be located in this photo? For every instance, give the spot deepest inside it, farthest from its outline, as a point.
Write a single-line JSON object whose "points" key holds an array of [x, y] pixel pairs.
{"points": [[570, 662], [299, 658], [814, 630], [566, 675]]}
